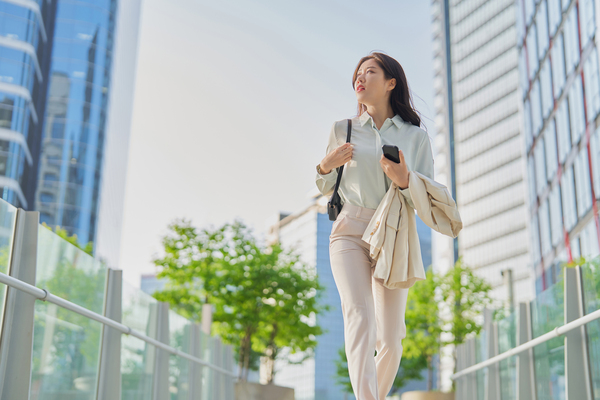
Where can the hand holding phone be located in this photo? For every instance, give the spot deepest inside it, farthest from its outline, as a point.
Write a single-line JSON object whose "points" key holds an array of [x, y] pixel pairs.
{"points": [[391, 153]]}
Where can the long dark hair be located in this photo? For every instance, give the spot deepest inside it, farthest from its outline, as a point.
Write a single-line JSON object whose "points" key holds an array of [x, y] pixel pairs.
{"points": [[400, 98]]}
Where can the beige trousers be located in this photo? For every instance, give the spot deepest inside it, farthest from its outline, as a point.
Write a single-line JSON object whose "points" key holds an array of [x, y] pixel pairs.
{"points": [[373, 314]]}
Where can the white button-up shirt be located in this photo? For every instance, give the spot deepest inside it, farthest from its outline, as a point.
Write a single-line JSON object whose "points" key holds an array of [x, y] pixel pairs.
{"points": [[364, 183]]}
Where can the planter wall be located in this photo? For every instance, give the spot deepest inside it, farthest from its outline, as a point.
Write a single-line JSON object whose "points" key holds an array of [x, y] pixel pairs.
{"points": [[422, 395], [256, 391]]}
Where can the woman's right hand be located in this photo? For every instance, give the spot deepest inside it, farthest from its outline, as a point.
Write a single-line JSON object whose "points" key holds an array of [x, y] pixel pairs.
{"points": [[336, 158]]}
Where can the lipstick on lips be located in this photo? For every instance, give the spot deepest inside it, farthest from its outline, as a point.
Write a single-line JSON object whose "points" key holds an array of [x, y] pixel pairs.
{"points": [[360, 88]]}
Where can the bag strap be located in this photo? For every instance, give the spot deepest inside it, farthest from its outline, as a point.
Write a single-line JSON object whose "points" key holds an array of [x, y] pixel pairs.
{"points": [[341, 169]]}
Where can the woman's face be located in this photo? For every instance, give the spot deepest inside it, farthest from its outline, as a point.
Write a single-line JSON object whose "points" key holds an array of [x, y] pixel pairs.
{"points": [[371, 87]]}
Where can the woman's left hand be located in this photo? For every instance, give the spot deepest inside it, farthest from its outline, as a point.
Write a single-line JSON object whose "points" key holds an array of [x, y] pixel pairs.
{"points": [[398, 173]]}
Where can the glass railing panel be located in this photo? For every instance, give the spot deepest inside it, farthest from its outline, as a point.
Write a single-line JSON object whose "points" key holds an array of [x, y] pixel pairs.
{"points": [[137, 356], [591, 295], [208, 374], [547, 312], [481, 355], [179, 334], [69, 272], [8, 215], [66, 345], [507, 339]]}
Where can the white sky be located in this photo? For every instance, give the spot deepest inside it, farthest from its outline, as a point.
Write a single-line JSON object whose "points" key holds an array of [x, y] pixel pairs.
{"points": [[234, 101]]}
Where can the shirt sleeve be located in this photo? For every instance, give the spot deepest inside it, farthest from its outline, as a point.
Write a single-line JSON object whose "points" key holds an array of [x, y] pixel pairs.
{"points": [[325, 183], [424, 165]]}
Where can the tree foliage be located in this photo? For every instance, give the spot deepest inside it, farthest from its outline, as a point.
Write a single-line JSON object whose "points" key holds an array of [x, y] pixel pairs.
{"points": [[264, 298], [464, 297], [423, 327]]}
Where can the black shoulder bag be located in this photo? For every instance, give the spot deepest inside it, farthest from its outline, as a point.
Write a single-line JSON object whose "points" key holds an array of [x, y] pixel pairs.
{"points": [[334, 205]]}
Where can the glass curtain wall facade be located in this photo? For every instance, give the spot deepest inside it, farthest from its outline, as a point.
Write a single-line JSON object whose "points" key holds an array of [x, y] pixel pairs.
{"points": [[75, 120], [560, 93], [479, 135], [25, 42]]}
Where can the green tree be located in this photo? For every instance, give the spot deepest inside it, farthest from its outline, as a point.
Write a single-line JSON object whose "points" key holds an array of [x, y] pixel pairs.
{"points": [[61, 232], [264, 298], [423, 328], [291, 295], [464, 296]]}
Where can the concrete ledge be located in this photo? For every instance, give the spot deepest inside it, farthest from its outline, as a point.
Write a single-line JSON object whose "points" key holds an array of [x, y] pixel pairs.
{"points": [[256, 391], [423, 395]]}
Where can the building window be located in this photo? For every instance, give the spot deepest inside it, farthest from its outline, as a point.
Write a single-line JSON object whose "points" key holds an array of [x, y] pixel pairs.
{"points": [[571, 41], [531, 179], [569, 206], [541, 21], [536, 108], [555, 215], [576, 111], [554, 15], [587, 21], [46, 197], [524, 79], [558, 65], [592, 85], [544, 227], [589, 240], [551, 155], [527, 121], [535, 240], [529, 9], [546, 84], [532, 52], [540, 166], [582, 183], [563, 130]]}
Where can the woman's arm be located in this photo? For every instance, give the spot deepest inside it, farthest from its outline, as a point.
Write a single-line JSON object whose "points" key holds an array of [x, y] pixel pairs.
{"points": [[423, 164], [336, 156]]}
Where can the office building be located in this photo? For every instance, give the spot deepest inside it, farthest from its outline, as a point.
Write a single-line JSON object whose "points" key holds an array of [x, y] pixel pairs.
{"points": [[560, 96], [26, 32], [57, 73], [479, 147], [308, 232]]}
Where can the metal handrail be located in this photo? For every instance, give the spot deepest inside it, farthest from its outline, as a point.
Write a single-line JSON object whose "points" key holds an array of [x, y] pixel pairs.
{"points": [[558, 331], [45, 295]]}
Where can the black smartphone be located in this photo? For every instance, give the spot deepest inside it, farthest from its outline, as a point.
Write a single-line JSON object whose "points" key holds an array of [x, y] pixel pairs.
{"points": [[391, 153]]}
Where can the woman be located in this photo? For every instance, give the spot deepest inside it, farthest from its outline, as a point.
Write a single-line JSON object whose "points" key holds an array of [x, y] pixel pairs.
{"points": [[373, 314]]}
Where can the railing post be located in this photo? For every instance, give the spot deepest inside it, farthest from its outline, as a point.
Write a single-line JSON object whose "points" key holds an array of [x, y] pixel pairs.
{"points": [[195, 370], [109, 374], [228, 364], [493, 382], [16, 340], [218, 376], [577, 368], [525, 366], [160, 382], [471, 379], [459, 386]]}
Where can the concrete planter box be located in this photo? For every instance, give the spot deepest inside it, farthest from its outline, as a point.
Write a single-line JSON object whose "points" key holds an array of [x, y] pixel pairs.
{"points": [[256, 391], [422, 395]]}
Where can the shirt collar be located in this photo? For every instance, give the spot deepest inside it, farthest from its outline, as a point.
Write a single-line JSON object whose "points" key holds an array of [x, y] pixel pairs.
{"points": [[365, 117]]}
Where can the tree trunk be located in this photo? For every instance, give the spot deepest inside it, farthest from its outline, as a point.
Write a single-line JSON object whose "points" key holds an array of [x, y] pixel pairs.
{"points": [[271, 353], [244, 356], [247, 357], [429, 373]]}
